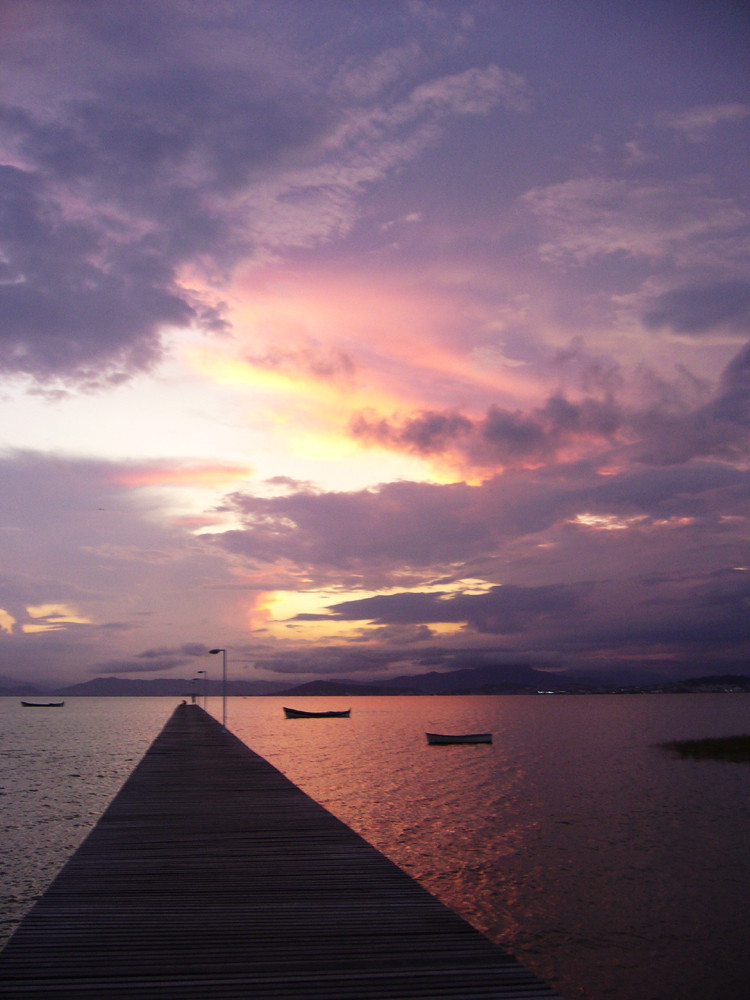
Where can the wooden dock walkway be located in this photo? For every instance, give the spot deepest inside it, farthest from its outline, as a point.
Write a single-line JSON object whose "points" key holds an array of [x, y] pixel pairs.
{"points": [[211, 875]]}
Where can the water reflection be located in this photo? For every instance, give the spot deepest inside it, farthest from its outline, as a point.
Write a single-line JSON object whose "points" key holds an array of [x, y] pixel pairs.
{"points": [[612, 869], [572, 840], [58, 772]]}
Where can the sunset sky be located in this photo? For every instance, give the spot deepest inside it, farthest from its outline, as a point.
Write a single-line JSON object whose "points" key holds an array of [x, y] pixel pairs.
{"points": [[371, 337]]}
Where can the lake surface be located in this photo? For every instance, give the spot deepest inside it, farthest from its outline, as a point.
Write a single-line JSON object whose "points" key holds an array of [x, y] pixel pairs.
{"points": [[613, 869]]}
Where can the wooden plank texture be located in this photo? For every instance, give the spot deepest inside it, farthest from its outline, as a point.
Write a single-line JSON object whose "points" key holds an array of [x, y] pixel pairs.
{"points": [[211, 875]]}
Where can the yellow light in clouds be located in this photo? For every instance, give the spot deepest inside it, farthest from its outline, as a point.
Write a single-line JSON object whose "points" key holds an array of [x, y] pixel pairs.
{"points": [[284, 604], [308, 420], [312, 351], [52, 617], [446, 628], [50, 610], [607, 522], [293, 393], [282, 607], [230, 370], [7, 621]]}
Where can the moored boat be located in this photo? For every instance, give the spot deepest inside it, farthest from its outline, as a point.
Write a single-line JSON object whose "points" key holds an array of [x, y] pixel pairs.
{"points": [[42, 704], [298, 713], [439, 739]]}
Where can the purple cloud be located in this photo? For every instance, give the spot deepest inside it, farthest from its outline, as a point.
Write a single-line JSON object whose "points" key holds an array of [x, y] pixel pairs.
{"points": [[138, 666], [668, 430], [502, 437], [500, 275], [702, 309], [186, 137], [502, 610], [72, 306]]}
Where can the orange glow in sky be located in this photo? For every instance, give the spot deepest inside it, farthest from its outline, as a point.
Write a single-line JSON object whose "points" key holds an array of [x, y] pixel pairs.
{"points": [[370, 306], [222, 475]]}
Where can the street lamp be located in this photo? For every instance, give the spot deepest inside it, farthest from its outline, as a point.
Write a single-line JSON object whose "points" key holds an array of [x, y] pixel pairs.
{"points": [[204, 687], [223, 684]]}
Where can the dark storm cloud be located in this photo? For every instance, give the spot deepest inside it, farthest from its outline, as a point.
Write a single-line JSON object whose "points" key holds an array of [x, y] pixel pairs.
{"points": [[503, 436], [69, 305], [148, 141], [140, 140], [138, 666], [343, 661], [705, 614], [425, 433], [655, 491], [702, 309], [603, 533], [160, 109], [414, 523], [720, 429], [728, 594], [108, 199], [732, 404], [328, 660], [501, 610], [189, 649], [540, 435], [424, 526], [666, 431], [398, 635], [689, 622]]}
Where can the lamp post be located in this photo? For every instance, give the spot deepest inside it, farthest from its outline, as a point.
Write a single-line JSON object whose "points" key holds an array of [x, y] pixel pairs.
{"points": [[223, 684], [204, 687]]}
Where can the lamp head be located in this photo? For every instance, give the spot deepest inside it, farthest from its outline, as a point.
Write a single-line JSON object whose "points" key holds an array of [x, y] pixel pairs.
{"points": [[217, 650]]}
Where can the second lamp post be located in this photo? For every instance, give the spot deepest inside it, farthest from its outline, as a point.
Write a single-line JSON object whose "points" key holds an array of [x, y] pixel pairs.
{"points": [[223, 684]]}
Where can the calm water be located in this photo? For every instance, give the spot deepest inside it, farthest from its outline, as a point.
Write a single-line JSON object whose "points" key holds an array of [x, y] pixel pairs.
{"points": [[611, 868]]}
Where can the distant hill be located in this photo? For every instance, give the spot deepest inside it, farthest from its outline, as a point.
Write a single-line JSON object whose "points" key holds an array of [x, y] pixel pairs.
{"points": [[494, 679], [107, 687], [510, 678], [739, 681], [343, 688], [10, 688]]}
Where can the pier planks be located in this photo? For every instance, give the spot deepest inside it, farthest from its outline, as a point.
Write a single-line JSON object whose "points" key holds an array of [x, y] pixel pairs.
{"points": [[211, 875]]}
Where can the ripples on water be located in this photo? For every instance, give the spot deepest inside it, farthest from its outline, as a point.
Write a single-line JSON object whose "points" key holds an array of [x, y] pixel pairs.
{"points": [[612, 868], [59, 769]]}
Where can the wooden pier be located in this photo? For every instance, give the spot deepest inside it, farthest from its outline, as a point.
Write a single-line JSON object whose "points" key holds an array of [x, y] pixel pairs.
{"points": [[211, 875]]}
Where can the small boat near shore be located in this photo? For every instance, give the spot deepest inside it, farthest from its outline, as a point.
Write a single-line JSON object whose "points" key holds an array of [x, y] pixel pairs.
{"points": [[298, 713], [442, 739], [42, 704]]}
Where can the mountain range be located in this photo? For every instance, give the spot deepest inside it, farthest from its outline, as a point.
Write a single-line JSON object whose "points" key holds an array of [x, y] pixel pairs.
{"points": [[493, 679]]}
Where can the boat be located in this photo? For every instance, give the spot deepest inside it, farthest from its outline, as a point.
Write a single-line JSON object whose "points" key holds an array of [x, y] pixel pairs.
{"points": [[439, 739], [297, 713], [42, 704]]}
